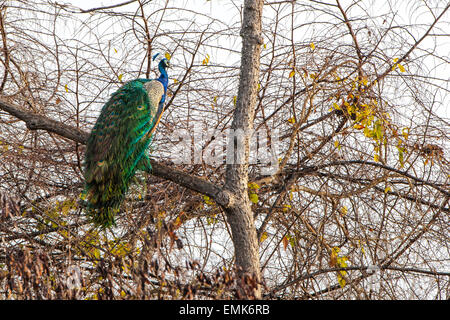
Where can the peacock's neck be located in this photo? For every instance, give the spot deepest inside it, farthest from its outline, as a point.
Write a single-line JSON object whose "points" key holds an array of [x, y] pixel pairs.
{"points": [[164, 78]]}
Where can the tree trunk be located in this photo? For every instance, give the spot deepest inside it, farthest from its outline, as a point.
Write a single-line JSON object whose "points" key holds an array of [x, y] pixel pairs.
{"points": [[239, 213]]}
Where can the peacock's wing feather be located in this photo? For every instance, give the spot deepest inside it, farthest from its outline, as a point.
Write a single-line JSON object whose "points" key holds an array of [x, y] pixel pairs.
{"points": [[117, 144]]}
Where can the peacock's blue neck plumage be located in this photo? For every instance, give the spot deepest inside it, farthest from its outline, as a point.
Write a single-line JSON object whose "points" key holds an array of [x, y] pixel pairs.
{"points": [[163, 78]]}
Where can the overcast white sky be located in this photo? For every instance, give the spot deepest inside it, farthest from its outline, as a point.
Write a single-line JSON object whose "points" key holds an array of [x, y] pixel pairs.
{"points": [[406, 13]]}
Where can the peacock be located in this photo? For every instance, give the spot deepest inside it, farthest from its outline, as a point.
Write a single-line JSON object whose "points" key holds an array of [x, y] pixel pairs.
{"points": [[116, 147]]}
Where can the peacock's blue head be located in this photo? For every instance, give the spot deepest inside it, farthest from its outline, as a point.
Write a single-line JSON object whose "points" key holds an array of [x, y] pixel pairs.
{"points": [[164, 63]]}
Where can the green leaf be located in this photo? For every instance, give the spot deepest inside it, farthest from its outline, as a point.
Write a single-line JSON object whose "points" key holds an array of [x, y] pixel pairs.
{"points": [[377, 130], [401, 155]]}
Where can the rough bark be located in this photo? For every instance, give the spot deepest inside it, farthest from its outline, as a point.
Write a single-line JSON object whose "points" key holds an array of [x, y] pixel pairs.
{"points": [[239, 214]]}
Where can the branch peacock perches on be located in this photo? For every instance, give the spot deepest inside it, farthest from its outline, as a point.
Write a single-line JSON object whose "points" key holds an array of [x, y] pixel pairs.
{"points": [[117, 145]]}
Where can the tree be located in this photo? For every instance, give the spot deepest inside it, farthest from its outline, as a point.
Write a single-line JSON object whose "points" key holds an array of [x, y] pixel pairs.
{"points": [[344, 103]]}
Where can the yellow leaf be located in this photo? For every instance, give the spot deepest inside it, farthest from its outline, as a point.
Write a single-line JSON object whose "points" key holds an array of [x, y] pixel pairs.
{"points": [[342, 263], [344, 210], [291, 120], [67, 88], [234, 100], [336, 106], [341, 280], [336, 144], [115, 50], [253, 197], [402, 68], [292, 73], [376, 157], [395, 60], [405, 133], [175, 80], [177, 222], [167, 56], [263, 237], [120, 76], [208, 200], [312, 45], [206, 60], [387, 189], [253, 185], [362, 247]]}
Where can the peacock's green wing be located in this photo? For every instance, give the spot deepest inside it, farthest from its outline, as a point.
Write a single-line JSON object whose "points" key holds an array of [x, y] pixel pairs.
{"points": [[115, 147]]}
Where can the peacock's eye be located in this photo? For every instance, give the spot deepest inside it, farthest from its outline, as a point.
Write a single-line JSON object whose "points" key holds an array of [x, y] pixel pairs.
{"points": [[141, 107], [101, 163]]}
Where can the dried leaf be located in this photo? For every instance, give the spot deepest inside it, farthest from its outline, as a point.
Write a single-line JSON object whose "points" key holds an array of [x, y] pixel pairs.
{"points": [[285, 242]]}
